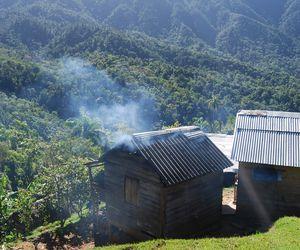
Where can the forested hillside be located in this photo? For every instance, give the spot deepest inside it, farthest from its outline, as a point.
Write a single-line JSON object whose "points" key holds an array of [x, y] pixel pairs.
{"points": [[76, 75], [257, 32]]}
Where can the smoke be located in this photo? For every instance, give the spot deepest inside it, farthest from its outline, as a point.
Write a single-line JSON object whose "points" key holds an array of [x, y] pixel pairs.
{"points": [[121, 108], [123, 140]]}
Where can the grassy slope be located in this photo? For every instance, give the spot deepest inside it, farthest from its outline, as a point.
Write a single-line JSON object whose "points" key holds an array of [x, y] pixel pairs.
{"points": [[285, 234]]}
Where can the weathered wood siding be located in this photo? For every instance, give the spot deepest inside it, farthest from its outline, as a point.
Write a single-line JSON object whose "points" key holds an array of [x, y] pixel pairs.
{"points": [[175, 211], [143, 220], [266, 201], [193, 205]]}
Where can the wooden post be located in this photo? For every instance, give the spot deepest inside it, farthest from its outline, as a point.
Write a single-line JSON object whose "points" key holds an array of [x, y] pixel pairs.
{"points": [[235, 189], [110, 237], [162, 216], [94, 203]]}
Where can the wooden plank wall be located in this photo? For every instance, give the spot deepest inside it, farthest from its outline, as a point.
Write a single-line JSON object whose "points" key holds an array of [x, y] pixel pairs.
{"points": [[193, 205], [143, 220], [266, 201]]}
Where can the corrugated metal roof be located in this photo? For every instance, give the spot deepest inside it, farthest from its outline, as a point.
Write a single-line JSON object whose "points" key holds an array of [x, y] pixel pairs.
{"points": [[181, 154], [267, 137], [224, 142]]}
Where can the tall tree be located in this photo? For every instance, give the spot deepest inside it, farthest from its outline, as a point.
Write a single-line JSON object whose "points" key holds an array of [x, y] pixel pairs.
{"points": [[213, 104]]}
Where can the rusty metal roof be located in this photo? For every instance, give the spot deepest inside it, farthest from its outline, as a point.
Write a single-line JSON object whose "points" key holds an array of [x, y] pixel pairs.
{"points": [[267, 137], [180, 154]]}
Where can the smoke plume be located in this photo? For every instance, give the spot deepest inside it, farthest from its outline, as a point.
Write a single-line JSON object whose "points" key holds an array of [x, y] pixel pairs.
{"points": [[120, 108]]}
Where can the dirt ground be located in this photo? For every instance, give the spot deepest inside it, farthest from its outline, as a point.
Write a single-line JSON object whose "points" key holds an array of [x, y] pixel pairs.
{"points": [[228, 206], [228, 195], [42, 246]]}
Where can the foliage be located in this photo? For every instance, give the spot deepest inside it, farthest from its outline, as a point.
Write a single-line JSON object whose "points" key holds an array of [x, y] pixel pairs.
{"points": [[67, 189], [55, 226], [201, 123], [6, 208], [42, 158], [259, 33], [181, 93], [25, 205], [15, 74], [175, 125]]}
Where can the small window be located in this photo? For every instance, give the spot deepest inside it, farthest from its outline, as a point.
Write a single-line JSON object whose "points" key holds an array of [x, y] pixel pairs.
{"points": [[131, 190], [267, 175]]}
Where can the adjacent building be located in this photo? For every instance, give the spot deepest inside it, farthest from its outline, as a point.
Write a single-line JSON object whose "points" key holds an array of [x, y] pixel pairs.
{"points": [[267, 147], [224, 143]]}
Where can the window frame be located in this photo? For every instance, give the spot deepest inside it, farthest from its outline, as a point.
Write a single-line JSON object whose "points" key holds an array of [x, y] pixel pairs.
{"points": [[131, 190], [259, 174]]}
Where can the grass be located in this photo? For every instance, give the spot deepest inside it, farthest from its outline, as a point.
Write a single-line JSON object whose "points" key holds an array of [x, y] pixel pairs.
{"points": [[285, 234]]}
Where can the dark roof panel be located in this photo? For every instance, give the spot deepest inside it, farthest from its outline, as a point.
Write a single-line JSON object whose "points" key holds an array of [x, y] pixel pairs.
{"points": [[180, 154]]}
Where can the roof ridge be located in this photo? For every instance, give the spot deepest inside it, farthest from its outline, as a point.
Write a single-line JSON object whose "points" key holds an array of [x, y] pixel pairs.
{"points": [[269, 130], [267, 113], [168, 131]]}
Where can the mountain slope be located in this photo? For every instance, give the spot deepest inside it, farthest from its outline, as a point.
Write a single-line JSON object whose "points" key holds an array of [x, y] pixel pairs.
{"points": [[258, 32], [181, 81], [182, 52]]}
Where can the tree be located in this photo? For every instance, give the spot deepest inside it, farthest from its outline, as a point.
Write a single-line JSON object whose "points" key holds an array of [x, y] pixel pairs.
{"points": [[4, 152], [201, 123], [6, 208], [213, 104], [174, 125], [230, 124], [66, 177]]}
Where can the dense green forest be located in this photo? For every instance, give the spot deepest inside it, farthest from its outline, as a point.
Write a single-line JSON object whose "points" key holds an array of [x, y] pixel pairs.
{"points": [[76, 75]]}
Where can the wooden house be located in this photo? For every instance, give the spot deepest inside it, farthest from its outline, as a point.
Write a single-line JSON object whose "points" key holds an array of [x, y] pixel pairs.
{"points": [[164, 184], [267, 147]]}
